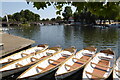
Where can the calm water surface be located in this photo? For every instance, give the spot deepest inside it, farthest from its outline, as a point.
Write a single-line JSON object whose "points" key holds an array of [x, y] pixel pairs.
{"points": [[66, 36]]}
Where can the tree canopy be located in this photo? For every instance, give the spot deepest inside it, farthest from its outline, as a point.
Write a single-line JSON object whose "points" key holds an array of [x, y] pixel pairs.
{"points": [[108, 10], [67, 13], [23, 16]]}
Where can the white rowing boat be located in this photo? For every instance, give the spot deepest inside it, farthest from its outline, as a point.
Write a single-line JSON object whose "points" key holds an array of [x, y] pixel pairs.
{"points": [[24, 63], [116, 71], [47, 65], [22, 54], [100, 67], [75, 62]]}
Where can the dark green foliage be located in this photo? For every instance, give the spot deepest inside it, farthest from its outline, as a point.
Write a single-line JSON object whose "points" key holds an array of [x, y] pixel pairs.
{"points": [[23, 16], [110, 10], [67, 13], [58, 18]]}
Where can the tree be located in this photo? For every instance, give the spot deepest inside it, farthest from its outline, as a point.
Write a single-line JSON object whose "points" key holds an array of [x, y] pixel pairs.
{"points": [[17, 16], [76, 16], [23, 16], [53, 19], [109, 10], [67, 13], [58, 18], [0, 18], [47, 19]]}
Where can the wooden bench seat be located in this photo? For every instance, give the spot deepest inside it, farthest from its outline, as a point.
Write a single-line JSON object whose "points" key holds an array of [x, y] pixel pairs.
{"points": [[79, 59], [40, 68], [10, 59], [95, 75], [117, 71], [54, 60], [18, 64], [25, 54], [70, 66], [102, 65]]}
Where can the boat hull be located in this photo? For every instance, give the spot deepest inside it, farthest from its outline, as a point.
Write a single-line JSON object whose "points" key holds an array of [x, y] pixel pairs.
{"points": [[10, 72], [40, 75], [59, 77], [19, 55], [116, 75], [102, 62]]}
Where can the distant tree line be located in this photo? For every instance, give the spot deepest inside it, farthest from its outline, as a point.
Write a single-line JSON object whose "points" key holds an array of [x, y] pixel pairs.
{"points": [[58, 18], [86, 16], [27, 16], [23, 16]]}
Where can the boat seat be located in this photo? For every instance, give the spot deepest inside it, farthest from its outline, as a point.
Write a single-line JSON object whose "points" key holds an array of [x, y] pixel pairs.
{"points": [[10, 59], [40, 68], [53, 60], [87, 54], [117, 71], [18, 64], [34, 59], [69, 66], [94, 75], [65, 55], [92, 48], [79, 59], [24, 54], [101, 65], [48, 54], [104, 58]]}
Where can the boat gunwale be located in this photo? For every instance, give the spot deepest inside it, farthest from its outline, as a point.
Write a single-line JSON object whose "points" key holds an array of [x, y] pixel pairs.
{"points": [[46, 46], [24, 58], [114, 70], [42, 61], [77, 67]]}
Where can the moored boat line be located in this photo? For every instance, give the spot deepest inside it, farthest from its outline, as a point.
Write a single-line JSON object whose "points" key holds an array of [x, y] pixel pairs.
{"points": [[67, 62], [23, 53], [75, 62], [25, 62], [116, 71], [100, 67], [47, 65]]}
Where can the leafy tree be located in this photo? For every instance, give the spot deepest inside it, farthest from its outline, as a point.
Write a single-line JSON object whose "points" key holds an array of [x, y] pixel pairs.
{"points": [[23, 16], [76, 16], [43, 20], [67, 13], [109, 10], [53, 19], [0, 18], [58, 18], [4, 18], [47, 19], [17, 16]]}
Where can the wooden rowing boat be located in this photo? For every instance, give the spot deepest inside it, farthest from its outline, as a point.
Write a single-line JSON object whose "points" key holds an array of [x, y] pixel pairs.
{"points": [[75, 62], [47, 65], [116, 71], [25, 62], [22, 54], [100, 67]]}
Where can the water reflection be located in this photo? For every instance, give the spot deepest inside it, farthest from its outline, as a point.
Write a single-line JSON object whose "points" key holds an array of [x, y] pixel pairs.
{"points": [[27, 32], [67, 36]]}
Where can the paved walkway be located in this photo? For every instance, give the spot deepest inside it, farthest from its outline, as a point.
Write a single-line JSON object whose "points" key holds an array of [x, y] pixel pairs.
{"points": [[10, 43]]}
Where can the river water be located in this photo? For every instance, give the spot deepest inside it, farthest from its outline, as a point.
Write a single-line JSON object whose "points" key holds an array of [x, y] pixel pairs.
{"points": [[66, 36]]}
